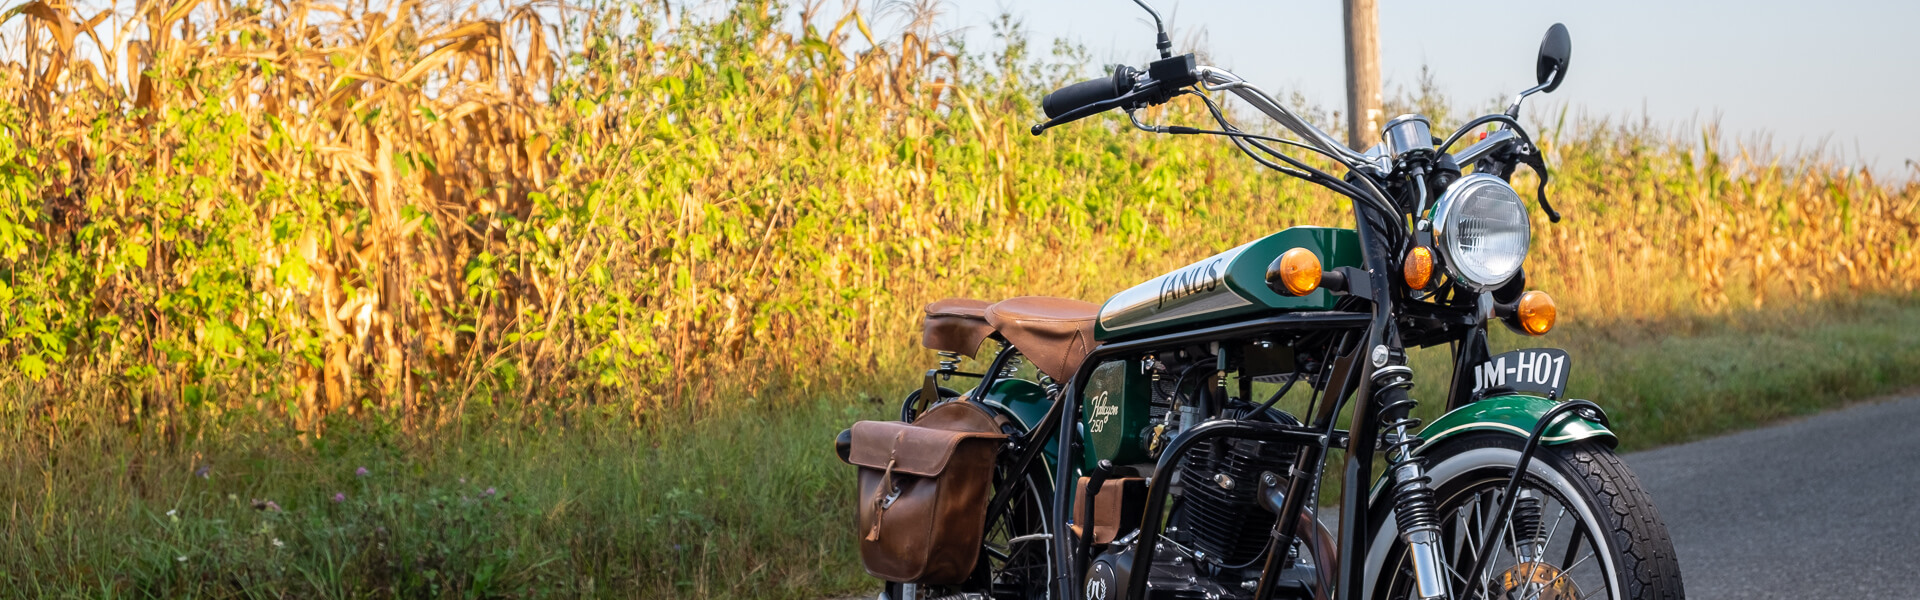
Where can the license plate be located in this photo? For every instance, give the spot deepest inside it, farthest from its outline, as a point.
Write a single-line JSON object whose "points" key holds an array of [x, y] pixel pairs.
{"points": [[1537, 370]]}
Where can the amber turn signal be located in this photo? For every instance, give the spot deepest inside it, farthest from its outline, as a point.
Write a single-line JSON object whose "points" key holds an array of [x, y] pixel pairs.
{"points": [[1418, 268], [1536, 313], [1297, 273]]}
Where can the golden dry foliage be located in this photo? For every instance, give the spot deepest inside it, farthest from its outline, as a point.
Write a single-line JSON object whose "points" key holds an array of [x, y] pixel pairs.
{"points": [[302, 208], [1663, 229], [267, 200]]}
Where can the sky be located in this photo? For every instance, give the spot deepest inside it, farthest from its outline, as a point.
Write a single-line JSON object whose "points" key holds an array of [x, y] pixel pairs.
{"points": [[1838, 76]]}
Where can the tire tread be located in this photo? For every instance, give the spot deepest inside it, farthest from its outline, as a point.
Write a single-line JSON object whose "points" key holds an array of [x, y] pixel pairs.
{"points": [[1653, 571]]}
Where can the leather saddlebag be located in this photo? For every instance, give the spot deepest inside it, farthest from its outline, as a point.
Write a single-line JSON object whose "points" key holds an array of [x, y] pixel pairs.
{"points": [[923, 495]]}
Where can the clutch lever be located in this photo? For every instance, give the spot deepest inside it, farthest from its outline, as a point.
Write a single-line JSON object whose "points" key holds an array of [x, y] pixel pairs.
{"points": [[1539, 166]]}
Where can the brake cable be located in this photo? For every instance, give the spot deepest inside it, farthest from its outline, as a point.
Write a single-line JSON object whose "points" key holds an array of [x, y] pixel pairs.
{"points": [[1539, 165], [1241, 139], [1531, 159], [1470, 125]]}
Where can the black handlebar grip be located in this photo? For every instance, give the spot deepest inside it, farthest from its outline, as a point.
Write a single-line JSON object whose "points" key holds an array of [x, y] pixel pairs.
{"points": [[1066, 99]]}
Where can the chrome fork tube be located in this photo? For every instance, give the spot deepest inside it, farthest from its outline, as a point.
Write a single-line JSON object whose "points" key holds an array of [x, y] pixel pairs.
{"points": [[1413, 503], [1423, 542]]}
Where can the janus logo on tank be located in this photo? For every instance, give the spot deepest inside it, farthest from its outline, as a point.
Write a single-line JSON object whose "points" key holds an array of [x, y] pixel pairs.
{"points": [[1203, 277]]}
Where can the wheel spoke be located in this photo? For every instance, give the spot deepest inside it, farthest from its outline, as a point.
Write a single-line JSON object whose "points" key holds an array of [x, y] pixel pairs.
{"points": [[996, 553], [1554, 529], [1457, 546], [1480, 511], [1471, 518], [1486, 577], [1511, 532], [1594, 593], [1563, 573], [1467, 517]]}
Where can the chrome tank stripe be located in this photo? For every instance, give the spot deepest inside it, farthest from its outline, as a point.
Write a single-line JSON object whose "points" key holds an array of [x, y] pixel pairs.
{"points": [[1195, 289]]}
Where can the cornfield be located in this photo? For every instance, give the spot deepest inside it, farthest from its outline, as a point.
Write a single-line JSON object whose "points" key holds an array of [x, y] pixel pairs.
{"points": [[419, 209]]}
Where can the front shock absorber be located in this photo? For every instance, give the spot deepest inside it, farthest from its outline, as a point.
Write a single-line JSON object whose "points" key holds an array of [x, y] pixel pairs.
{"points": [[1413, 504], [1527, 527]]}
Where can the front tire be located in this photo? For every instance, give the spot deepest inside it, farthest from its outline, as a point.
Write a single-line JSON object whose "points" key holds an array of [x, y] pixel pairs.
{"points": [[1579, 489]]}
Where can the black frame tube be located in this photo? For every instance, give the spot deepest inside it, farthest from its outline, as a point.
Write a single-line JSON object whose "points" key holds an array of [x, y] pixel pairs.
{"points": [[1157, 490], [1471, 353], [1358, 472], [1066, 553]]}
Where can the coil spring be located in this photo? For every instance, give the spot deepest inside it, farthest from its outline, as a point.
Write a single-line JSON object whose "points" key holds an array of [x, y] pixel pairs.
{"points": [[1400, 444], [949, 361], [1413, 503]]}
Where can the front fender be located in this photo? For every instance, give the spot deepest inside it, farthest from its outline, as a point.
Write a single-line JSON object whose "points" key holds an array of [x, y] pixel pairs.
{"points": [[1516, 414], [1512, 414]]}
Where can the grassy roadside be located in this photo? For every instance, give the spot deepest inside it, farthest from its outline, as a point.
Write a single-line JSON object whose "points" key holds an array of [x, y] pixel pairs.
{"points": [[748, 504], [1682, 380]]}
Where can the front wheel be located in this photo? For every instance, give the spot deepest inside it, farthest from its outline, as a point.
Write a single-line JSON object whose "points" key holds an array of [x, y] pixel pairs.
{"points": [[1581, 527]]}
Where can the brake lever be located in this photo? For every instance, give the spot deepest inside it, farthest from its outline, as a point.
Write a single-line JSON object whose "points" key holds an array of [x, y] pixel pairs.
{"points": [[1539, 166]]}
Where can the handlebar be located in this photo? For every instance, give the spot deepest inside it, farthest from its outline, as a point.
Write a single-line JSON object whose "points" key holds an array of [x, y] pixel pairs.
{"points": [[1127, 89], [1088, 93], [1131, 89]]}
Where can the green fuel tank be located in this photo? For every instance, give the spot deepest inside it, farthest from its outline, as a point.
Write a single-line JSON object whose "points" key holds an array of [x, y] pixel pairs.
{"points": [[1228, 285]]}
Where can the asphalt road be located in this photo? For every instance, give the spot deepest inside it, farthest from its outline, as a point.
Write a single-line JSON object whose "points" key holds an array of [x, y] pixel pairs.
{"points": [[1823, 507]]}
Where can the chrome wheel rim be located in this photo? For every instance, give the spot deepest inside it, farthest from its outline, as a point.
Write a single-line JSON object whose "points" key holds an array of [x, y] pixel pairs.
{"points": [[1472, 480]]}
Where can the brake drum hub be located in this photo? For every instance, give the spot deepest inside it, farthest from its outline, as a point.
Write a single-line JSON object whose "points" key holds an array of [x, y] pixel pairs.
{"points": [[1535, 580]]}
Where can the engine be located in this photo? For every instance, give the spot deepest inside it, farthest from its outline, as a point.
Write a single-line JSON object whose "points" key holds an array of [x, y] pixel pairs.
{"points": [[1225, 492], [1220, 515], [1216, 540]]}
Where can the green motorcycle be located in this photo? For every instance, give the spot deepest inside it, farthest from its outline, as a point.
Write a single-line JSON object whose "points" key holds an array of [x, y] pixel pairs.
{"points": [[1136, 461]]}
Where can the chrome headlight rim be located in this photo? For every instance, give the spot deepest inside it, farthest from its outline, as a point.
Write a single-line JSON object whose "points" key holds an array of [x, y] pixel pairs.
{"points": [[1444, 227]]}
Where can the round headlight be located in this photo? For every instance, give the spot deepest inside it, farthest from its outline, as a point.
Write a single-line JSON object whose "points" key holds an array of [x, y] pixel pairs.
{"points": [[1482, 230]]}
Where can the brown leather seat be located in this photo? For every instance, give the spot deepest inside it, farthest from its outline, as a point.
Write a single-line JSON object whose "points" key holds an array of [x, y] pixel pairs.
{"points": [[956, 325], [1056, 334]]}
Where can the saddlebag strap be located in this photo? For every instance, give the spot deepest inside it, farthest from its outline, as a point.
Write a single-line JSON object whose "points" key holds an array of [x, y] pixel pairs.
{"points": [[887, 486]]}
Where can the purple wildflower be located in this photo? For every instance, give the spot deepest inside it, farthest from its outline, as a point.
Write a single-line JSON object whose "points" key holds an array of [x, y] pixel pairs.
{"points": [[490, 491], [339, 497], [361, 472], [204, 472]]}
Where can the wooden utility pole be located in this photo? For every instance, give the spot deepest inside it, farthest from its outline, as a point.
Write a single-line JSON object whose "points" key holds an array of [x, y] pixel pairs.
{"points": [[1363, 74]]}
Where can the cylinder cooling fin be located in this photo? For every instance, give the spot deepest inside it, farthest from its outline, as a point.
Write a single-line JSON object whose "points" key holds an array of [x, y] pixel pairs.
{"points": [[1220, 511]]}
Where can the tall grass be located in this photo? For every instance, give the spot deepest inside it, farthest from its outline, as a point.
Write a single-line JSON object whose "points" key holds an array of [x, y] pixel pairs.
{"points": [[300, 209]]}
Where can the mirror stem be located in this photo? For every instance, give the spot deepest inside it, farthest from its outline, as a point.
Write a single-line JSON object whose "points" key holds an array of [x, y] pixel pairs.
{"points": [[1513, 110], [1164, 43]]}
